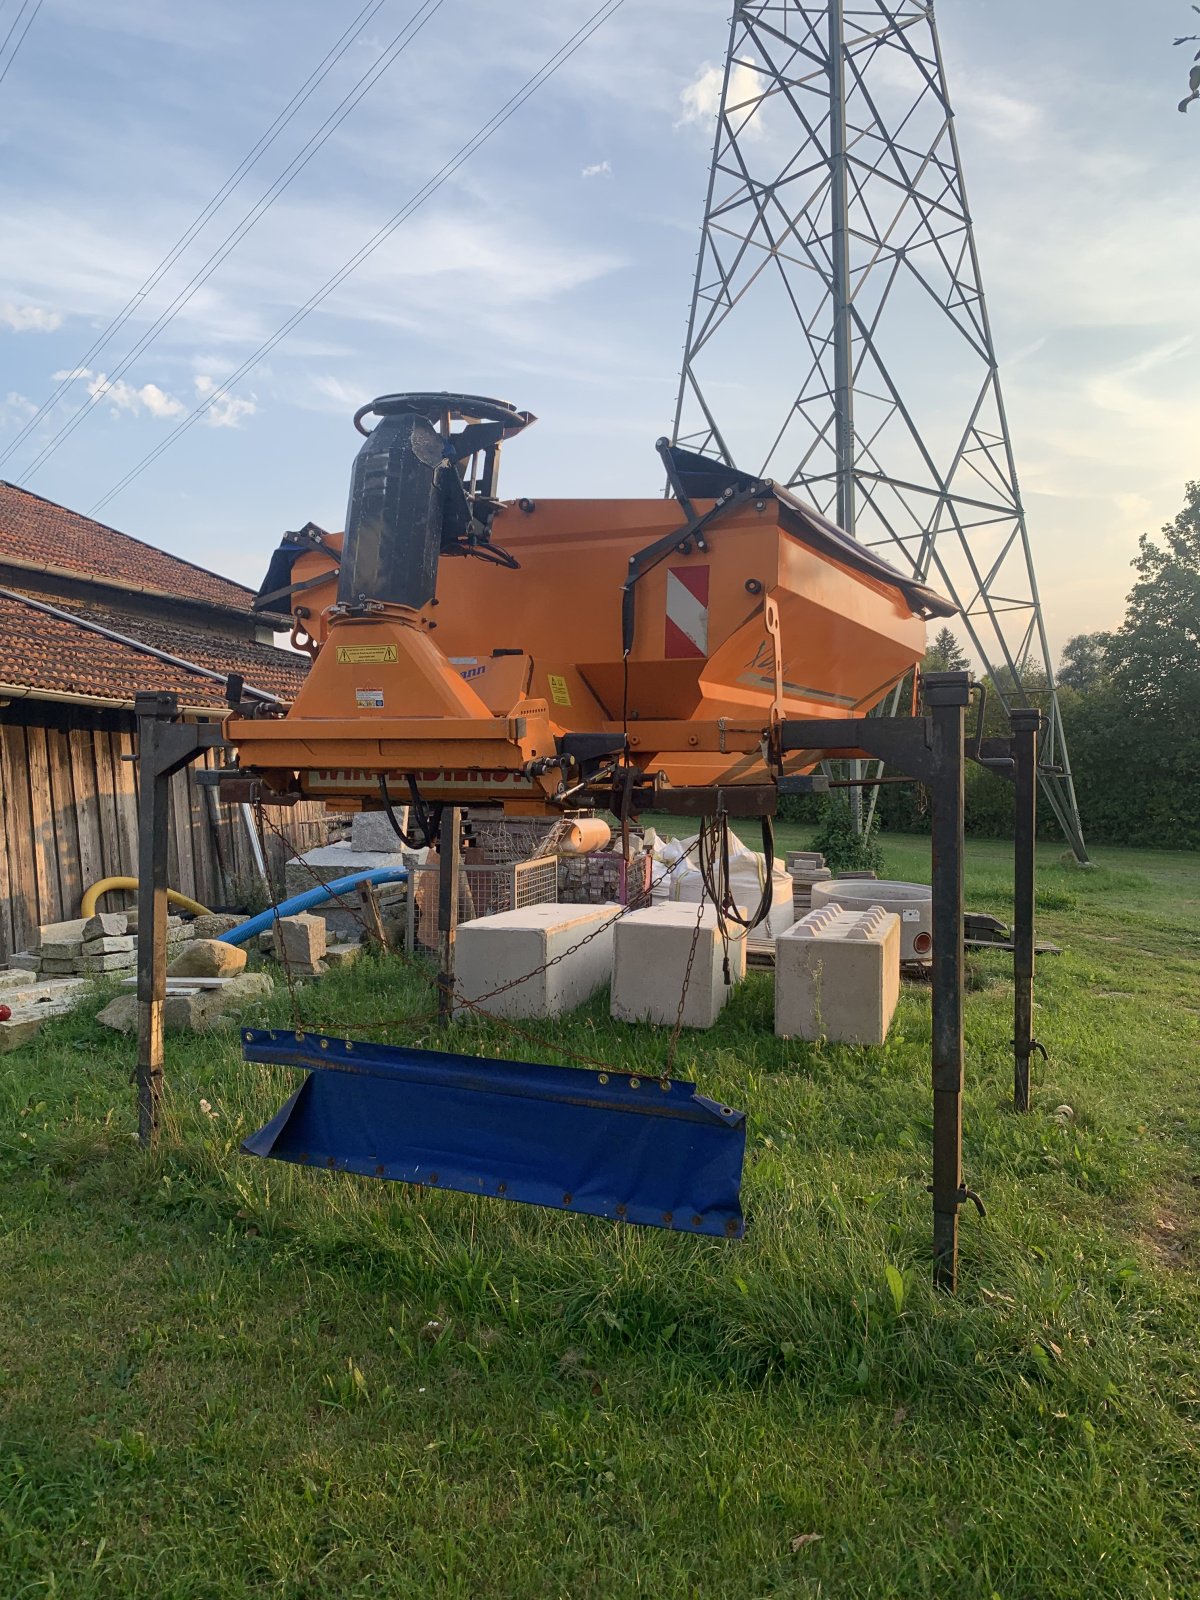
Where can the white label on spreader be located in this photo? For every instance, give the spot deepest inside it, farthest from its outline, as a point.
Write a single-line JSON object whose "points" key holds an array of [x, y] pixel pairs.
{"points": [[369, 699]]}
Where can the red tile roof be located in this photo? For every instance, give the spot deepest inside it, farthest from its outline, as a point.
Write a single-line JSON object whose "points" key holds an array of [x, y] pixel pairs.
{"points": [[46, 535], [38, 651]]}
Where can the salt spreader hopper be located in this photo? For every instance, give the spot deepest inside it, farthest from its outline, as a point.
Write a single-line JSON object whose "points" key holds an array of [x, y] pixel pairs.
{"points": [[545, 656], [554, 654]]}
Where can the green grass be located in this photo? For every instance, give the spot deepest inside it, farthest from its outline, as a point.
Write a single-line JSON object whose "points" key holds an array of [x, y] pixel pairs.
{"points": [[220, 1377]]}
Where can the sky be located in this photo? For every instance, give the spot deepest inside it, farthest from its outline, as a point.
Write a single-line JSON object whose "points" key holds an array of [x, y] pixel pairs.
{"points": [[554, 269]]}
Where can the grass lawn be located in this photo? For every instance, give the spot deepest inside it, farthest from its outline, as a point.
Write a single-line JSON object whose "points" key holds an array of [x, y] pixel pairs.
{"points": [[222, 1377]]}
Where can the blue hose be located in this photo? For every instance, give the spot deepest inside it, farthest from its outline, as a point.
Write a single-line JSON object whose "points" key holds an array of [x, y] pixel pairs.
{"points": [[310, 898]]}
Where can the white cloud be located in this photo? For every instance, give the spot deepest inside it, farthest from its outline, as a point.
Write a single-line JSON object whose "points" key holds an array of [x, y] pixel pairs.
{"points": [[28, 319], [16, 408], [227, 411], [701, 98], [122, 396], [599, 169]]}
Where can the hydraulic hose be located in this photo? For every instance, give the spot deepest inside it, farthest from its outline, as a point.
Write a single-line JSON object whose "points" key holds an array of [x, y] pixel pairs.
{"points": [[311, 897], [92, 896]]}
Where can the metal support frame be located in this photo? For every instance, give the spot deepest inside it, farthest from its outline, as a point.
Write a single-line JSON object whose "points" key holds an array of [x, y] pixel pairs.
{"points": [[931, 749], [449, 863], [164, 746], [837, 271], [1026, 726]]}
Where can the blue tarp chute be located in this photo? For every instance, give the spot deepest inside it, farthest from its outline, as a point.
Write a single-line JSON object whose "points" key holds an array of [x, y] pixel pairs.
{"points": [[610, 1144]]}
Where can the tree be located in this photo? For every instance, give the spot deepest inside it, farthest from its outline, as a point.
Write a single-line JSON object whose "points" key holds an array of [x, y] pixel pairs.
{"points": [[1084, 664], [1154, 656], [945, 654], [1194, 74]]}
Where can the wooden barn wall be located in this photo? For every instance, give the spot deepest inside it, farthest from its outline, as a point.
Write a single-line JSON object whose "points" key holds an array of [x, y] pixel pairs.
{"points": [[68, 817]]}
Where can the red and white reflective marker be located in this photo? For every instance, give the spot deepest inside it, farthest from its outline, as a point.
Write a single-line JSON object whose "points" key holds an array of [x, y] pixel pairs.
{"points": [[687, 614]]}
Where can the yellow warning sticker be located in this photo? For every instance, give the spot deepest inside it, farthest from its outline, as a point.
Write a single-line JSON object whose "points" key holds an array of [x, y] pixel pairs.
{"points": [[559, 692], [361, 654]]}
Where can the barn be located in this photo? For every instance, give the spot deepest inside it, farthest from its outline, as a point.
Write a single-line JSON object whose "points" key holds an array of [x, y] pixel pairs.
{"points": [[88, 617]]}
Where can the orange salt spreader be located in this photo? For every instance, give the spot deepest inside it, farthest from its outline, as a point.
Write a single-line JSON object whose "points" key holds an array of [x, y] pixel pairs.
{"points": [[556, 654]]}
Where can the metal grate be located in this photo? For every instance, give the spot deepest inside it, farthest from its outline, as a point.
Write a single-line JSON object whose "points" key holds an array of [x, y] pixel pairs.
{"points": [[483, 890]]}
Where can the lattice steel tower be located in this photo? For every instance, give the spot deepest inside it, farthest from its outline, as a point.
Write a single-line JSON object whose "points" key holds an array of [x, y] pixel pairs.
{"points": [[837, 229]]}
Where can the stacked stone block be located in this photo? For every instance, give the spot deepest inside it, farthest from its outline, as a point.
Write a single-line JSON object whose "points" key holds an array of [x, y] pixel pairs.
{"points": [[89, 946], [805, 867]]}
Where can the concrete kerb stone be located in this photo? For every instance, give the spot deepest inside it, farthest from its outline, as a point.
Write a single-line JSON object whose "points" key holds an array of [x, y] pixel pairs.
{"points": [[650, 957], [493, 951], [837, 976]]}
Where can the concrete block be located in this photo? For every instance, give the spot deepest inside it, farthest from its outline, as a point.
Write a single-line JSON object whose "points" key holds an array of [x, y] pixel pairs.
{"points": [[24, 960], [109, 944], [837, 976], [332, 861], [106, 925], [371, 832], [911, 902], [215, 923], [18, 1031], [650, 957], [56, 968], [342, 955], [121, 961], [300, 941], [207, 958], [493, 951], [62, 950], [62, 932], [197, 1012]]}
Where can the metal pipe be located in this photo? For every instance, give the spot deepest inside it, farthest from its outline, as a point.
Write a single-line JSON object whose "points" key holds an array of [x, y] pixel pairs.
{"points": [[449, 857], [134, 644], [947, 694], [1026, 725]]}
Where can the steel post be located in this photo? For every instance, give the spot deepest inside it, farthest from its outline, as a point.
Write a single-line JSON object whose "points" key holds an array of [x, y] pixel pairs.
{"points": [[1026, 725], [164, 745], [449, 865], [947, 694]]}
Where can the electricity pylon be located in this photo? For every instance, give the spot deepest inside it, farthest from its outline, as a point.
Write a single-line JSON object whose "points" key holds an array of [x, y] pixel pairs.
{"points": [[839, 312]]}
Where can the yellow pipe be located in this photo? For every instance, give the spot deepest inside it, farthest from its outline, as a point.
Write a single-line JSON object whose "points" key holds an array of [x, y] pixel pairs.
{"points": [[87, 906]]}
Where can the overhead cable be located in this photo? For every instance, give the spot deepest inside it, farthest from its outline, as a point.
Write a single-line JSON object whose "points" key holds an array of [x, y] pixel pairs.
{"points": [[305, 91], [37, 6], [424, 12], [492, 126]]}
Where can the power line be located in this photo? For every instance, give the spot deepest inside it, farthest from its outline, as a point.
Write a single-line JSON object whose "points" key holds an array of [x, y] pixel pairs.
{"points": [[478, 139], [423, 14], [37, 6], [305, 91]]}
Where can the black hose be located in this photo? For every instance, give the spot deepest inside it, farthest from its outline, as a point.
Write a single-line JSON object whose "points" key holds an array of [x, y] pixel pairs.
{"points": [[403, 837], [713, 858]]}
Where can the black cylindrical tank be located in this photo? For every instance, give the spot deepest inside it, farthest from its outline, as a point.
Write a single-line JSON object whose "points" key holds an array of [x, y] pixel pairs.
{"points": [[394, 519]]}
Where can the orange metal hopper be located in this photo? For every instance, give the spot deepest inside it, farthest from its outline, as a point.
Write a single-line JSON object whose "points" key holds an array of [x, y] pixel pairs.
{"points": [[670, 636]]}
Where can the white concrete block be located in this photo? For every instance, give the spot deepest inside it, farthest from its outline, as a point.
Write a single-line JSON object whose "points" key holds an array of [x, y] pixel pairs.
{"points": [[492, 951], [912, 903], [650, 957], [106, 925], [837, 976]]}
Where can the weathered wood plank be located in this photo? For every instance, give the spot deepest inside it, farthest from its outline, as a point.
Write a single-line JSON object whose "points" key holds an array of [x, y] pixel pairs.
{"points": [[181, 873], [87, 807], [125, 790], [19, 839], [45, 845], [7, 945], [66, 826], [106, 805]]}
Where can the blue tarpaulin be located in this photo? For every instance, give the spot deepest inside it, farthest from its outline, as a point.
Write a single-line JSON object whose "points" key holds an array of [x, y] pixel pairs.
{"points": [[644, 1150]]}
